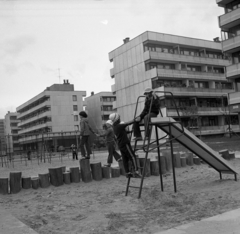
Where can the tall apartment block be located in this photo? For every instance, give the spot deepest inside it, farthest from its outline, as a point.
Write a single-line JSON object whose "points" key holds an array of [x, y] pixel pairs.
{"points": [[229, 23], [53, 112], [2, 138], [193, 70], [99, 106], [11, 132]]}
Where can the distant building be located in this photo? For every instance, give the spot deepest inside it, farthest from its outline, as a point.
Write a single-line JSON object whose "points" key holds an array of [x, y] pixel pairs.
{"points": [[99, 106], [193, 70], [53, 113], [11, 132], [229, 23], [2, 137]]}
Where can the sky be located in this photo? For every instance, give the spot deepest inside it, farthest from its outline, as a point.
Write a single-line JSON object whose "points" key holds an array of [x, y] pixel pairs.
{"points": [[44, 42]]}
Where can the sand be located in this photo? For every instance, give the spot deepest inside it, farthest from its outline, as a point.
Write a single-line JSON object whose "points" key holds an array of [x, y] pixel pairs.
{"points": [[102, 207]]}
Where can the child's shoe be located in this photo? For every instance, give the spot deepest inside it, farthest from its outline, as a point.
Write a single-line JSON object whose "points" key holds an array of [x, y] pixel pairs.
{"points": [[136, 174], [129, 175]]}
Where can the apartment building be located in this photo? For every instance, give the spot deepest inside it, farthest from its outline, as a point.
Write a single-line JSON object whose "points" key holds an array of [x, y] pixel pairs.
{"points": [[2, 138], [193, 70], [53, 113], [99, 106], [11, 132], [229, 23]]}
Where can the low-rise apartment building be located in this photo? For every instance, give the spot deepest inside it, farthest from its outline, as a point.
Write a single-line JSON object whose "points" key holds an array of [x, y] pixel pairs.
{"points": [[11, 132], [54, 114], [2, 138], [193, 70], [99, 106]]}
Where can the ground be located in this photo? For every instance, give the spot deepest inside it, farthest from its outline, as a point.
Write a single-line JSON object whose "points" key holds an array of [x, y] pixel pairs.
{"points": [[102, 207]]}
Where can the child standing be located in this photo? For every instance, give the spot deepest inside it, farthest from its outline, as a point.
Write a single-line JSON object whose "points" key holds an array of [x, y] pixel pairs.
{"points": [[85, 130], [124, 145], [109, 134]]}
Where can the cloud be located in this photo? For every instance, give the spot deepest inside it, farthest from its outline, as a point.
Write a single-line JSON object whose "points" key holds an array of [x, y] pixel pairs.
{"points": [[14, 46], [104, 22]]}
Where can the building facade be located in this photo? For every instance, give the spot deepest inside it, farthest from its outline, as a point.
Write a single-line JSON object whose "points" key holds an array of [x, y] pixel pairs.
{"points": [[193, 70], [229, 23], [11, 132], [2, 138], [53, 113], [99, 106]]}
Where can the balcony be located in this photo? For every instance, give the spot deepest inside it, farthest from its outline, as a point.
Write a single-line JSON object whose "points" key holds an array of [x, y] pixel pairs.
{"points": [[232, 44], [234, 98], [168, 57], [179, 91], [233, 71], [201, 111], [42, 115], [44, 104], [223, 2], [112, 72], [34, 128], [113, 88], [183, 74], [229, 19]]}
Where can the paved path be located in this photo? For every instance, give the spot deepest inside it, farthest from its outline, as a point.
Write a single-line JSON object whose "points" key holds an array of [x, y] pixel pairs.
{"points": [[226, 223], [11, 225]]}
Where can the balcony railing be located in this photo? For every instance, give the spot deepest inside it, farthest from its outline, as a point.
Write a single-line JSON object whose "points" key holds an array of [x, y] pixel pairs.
{"points": [[203, 60], [231, 43], [36, 127], [42, 115], [229, 19], [44, 104], [190, 74]]}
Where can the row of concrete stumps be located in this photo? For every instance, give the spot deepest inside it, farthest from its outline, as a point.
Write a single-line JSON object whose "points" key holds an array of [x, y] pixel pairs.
{"points": [[95, 171]]}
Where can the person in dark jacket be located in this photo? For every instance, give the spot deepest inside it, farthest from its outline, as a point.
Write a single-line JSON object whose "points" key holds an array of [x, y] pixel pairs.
{"points": [[124, 145], [74, 152], [85, 130], [150, 96], [109, 135]]}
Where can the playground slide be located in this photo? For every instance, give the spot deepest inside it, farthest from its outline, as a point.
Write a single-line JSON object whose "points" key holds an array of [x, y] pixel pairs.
{"points": [[194, 144]]}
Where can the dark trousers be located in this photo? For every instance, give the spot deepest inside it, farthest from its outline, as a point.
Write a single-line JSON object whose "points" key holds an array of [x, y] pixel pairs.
{"points": [[112, 152], [136, 127], [128, 156], [85, 143], [74, 155]]}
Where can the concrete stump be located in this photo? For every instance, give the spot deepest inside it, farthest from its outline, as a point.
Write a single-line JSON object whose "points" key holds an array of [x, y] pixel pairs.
{"points": [[231, 155], [154, 167], [115, 172], [56, 176], [35, 182], [4, 185], [183, 161], [66, 177], [168, 159], [147, 169], [196, 161], [225, 154], [26, 182], [96, 171], [44, 180], [106, 172], [74, 174], [177, 160], [15, 182], [189, 157], [85, 170]]}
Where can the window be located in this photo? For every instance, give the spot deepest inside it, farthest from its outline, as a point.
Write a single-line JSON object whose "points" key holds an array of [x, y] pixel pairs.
{"points": [[201, 84], [218, 70], [75, 108], [75, 117], [105, 117], [74, 98]]}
